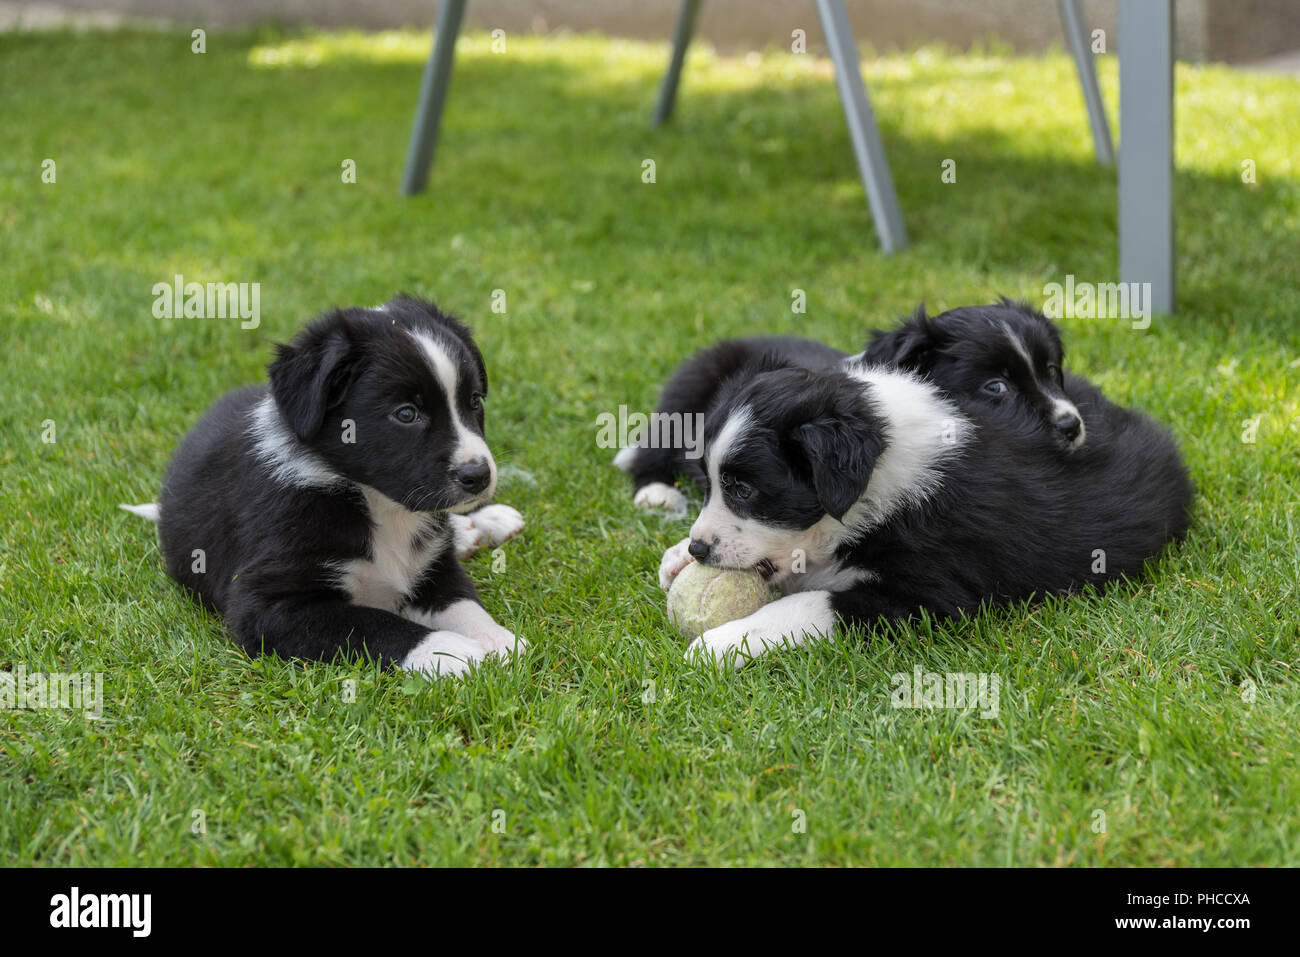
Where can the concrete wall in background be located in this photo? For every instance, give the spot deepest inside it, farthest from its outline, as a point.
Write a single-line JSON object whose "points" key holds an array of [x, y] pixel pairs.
{"points": [[1231, 30]]}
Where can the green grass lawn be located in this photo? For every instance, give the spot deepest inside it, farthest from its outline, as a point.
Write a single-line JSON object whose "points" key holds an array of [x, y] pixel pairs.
{"points": [[226, 166]]}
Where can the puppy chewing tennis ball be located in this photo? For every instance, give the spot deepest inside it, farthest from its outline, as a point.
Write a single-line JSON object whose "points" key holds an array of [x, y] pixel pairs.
{"points": [[704, 597]]}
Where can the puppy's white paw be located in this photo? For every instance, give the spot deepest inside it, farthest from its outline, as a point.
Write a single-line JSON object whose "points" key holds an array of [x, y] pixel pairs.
{"points": [[501, 522], [468, 619], [442, 653], [487, 527], [661, 496], [674, 560], [469, 537], [497, 640], [714, 646]]}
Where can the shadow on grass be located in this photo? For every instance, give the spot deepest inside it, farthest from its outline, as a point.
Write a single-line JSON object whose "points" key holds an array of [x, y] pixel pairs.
{"points": [[773, 163], [547, 153]]}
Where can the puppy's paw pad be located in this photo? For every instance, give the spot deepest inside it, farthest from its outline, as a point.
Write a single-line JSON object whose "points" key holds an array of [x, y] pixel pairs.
{"points": [[660, 496], [442, 654], [674, 560], [499, 523]]}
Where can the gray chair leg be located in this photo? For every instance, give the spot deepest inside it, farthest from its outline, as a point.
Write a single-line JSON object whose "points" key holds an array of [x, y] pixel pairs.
{"points": [[867, 146], [1146, 148], [681, 40], [433, 94], [1075, 35]]}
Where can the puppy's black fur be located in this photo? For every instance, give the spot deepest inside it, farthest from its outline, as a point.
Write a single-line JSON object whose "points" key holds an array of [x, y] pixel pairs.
{"points": [[267, 504]]}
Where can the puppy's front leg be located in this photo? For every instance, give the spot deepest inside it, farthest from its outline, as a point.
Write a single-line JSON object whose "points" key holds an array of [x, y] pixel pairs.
{"points": [[467, 617], [449, 602], [793, 620], [322, 629]]}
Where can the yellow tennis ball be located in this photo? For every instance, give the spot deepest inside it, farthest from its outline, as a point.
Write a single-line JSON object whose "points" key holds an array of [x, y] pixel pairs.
{"points": [[703, 597]]}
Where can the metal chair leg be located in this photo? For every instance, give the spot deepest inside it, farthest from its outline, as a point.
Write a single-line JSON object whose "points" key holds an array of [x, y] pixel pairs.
{"points": [[433, 94], [681, 40], [873, 165], [1072, 20], [1146, 148]]}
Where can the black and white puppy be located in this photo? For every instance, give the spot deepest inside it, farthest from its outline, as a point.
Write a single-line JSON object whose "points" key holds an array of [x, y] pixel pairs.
{"points": [[1007, 355], [316, 515], [866, 493]]}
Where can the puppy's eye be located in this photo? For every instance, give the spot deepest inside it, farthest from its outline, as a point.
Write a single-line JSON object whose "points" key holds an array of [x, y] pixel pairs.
{"points": [[1055, 372], [735, 487], [476, 400], [406, 414], [995, 387]]}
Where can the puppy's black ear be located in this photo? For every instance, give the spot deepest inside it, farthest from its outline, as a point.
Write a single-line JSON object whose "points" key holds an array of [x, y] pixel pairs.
{"points": [[310, 375], [841, 450], [910, 346]]}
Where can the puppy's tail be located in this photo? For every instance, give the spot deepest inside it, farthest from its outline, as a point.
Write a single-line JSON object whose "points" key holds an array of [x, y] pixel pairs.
{"points": [[150, 511]]}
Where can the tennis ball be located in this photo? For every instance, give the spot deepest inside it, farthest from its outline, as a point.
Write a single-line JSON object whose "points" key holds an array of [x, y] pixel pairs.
{"points": [[703, 597]]}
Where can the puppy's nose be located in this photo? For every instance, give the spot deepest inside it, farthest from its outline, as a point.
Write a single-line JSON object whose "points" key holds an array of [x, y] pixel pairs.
{"points": [[699, 550], [473, 476], [1068, 424]]}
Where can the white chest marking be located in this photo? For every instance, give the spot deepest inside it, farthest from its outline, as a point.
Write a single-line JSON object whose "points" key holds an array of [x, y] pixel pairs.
{"points": [[402, 544]]}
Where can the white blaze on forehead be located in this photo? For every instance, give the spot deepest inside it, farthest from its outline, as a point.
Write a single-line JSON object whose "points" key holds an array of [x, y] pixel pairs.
{"points": [[1019, 347], [729, 436], [469, 445], [1060, 404], [442, 364], [731, 433]]}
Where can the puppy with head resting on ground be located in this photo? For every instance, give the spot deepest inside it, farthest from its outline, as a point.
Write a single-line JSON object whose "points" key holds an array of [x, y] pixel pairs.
{"points": [[317, 515], [866, 492]]}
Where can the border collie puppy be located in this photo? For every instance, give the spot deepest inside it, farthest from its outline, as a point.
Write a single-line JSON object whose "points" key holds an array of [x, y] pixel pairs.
{"points": [[1007, 354], [316, 515], [867, 494]]}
